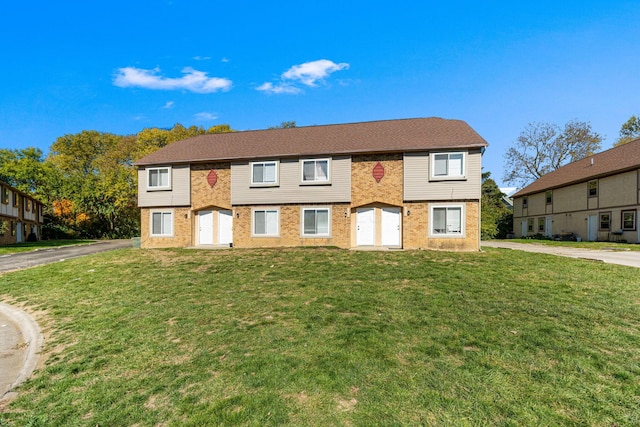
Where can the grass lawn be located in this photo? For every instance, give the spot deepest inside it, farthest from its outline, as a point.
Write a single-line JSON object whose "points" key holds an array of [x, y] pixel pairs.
{"points": [[42, 244], [585, 245], [330, 337]]}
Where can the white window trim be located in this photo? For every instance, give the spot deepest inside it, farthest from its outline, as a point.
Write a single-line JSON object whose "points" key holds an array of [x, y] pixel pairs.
{"points": [[155, 211], [432, 167], [265, 184], [253, 222], [463, 220], [159, 187], [315, 182], [315, 208]]}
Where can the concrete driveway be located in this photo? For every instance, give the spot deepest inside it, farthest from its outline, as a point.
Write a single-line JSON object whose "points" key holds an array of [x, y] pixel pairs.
{"points": [[628, 258], [22, 260]]}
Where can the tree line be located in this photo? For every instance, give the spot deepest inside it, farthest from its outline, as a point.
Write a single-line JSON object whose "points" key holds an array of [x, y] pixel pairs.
{"points": [[87, 182]]}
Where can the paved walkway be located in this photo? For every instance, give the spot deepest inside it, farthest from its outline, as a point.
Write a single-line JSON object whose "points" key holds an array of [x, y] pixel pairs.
{"points": [[622, 257]]}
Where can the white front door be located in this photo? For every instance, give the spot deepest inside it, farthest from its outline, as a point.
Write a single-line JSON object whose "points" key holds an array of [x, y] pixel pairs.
{"points": [[593, 228], [390, 227], [548, 226], [19, 232], [524, 228], [365, 227], [205, 228], [225, 227]]}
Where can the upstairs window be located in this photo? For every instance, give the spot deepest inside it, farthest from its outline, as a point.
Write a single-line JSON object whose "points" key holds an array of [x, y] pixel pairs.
{"points": [[264, 173], [548, 197], [447, 166], [316, 170], [159, 178], [593, 188], [5, 195], [525, 202], [15, 199]]}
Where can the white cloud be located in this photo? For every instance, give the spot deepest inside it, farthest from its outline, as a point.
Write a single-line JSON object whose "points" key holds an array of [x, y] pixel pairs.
{"points": [[201, 58], [192, 80], [205, 117], [268, 87], [308, 74], [168, 105]]}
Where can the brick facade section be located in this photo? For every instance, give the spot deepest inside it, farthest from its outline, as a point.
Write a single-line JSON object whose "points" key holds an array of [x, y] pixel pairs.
{"points": [[290, 228], [364, 188], [182, 229], [202, 194]]}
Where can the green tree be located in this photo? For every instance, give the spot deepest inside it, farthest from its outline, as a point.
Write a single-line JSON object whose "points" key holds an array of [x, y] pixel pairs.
{"points": [[496, 217], [285, 125], [629, 131], [544, 147]]}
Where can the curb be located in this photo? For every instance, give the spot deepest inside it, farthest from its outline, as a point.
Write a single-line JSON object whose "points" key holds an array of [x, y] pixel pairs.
{"points": [[32, 337]]}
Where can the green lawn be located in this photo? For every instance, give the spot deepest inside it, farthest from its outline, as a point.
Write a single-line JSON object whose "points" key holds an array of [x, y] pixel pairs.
{"points": [[614, 246], [42, 244], [317, 337]]}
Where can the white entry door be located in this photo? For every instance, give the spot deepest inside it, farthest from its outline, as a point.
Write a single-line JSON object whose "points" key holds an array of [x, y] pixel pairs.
{"points": [[19, 232], [390, 227], [365, 227], [548, 226], [593, 228], [524, 228], [205, 228], [225, 227]]}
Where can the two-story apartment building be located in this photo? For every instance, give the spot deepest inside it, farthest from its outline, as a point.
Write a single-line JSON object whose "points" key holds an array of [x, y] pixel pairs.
{"points": [[596, 198], [20, 215], [412, 183]]}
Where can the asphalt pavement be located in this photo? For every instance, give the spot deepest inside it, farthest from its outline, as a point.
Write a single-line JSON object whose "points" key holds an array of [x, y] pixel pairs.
{"points": [[22, 260]]}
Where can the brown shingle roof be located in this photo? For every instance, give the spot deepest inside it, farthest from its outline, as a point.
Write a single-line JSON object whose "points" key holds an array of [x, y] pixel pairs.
{"points": [[614, 160], [366, 137]]}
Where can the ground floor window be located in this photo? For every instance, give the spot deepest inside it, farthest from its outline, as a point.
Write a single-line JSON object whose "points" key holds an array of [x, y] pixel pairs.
{"points": [[315, 222], [161, 223], [605, 221], [541, 225], [530, 225], [265, 222], [447, 220], [628, 220]]}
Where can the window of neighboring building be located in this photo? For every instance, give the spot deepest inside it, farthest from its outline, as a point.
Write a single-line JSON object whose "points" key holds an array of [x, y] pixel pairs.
{"points": [[447, 220], [530, 225], [264, 173], [315, 221], [541, 225], [628, 220], [13, 228], [548, 197], [3, 227], [15, 199], [315, 170], [605, 221], [447, 165], [28, 205], [525, 202], [593, 188], [5, 195], [265, 222], [159, 178], [161, 223]]}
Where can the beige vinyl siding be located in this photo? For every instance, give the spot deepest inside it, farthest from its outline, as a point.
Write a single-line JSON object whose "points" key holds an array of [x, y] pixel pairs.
{"points": [[179, 195], [290, 188], [570, 198], [417, 185], [618, 190]]}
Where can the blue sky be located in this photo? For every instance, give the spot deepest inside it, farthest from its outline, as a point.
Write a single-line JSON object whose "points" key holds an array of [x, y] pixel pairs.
{"points": [[121, 66]]}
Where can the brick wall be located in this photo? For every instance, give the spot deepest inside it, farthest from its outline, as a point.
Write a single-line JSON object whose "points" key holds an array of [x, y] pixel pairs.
{"points": [[182, 229], [364, 188], [205, 196], [290, 228]]}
